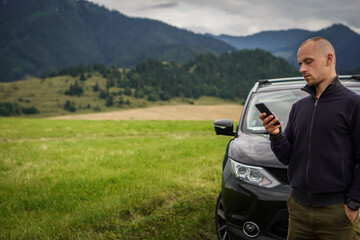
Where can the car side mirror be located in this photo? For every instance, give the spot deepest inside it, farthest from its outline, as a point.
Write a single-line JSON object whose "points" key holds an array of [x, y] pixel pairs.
{"points": [[224, 127]]}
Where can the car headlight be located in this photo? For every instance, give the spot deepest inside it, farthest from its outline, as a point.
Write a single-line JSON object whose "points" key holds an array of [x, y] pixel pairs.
{"points": [[253, 175]]}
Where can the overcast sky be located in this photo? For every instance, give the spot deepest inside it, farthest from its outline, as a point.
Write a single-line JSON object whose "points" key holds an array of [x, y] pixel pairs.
{"points": [[242, 17]]}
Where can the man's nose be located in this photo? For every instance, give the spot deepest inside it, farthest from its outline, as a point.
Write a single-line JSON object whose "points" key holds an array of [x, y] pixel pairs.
{"points": [[302, 68]]}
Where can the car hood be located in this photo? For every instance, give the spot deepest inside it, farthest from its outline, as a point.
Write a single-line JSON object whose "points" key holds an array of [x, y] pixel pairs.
{"points": [[253, 149]]}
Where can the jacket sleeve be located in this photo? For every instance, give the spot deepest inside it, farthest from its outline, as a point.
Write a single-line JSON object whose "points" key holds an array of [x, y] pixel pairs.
{"points": [[281, 144], [354, 191]]}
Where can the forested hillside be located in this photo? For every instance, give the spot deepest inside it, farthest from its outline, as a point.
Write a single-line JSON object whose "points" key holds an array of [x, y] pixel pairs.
{"points": [[228, 76], [39, 36], [96, 87]]}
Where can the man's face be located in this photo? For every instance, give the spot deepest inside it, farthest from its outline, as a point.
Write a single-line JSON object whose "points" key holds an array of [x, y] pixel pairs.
{"points": [[312, 63]]}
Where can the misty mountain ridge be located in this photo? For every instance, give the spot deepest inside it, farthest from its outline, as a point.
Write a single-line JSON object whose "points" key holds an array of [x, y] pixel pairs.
{"points": [[40, 36], [285, 43]]}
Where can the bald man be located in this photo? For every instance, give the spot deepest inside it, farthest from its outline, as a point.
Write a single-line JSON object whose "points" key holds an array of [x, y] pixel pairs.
{"points": [[321, 146]]}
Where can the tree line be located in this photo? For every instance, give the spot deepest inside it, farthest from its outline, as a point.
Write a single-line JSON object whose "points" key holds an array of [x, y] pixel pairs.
{"points": [[15, 109], [227, 76]]}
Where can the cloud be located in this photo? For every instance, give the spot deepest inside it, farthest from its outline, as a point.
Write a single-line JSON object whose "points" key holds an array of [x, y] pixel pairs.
{"points": [[166, 5], [160, 6], [242, 17]]}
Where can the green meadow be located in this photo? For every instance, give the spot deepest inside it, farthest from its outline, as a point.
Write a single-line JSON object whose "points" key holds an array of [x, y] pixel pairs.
{"points": [[48, 96], [72, 179]]}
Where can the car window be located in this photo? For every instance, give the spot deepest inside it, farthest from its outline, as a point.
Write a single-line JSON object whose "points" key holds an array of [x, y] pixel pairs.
{"points": [[279, 102]]}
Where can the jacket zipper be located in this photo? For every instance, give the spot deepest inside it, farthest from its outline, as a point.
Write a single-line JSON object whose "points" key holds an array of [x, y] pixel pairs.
{"points": [[309, 149]]}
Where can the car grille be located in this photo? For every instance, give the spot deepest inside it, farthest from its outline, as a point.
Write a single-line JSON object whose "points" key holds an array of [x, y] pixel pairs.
{"points": [[279, 173]]}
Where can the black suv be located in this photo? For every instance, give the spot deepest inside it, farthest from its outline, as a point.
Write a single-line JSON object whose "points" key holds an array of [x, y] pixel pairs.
{"points": [[255, 186]]}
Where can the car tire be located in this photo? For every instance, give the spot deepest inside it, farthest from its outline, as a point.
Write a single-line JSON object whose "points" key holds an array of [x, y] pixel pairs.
{"points": [[220, 221]]}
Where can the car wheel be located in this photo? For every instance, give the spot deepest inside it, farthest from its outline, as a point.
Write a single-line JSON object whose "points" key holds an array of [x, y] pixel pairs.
{"points": [[220, 220]]}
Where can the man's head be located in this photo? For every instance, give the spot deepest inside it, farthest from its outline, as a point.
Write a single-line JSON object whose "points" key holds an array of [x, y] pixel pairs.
{"points": [[316, 58]]}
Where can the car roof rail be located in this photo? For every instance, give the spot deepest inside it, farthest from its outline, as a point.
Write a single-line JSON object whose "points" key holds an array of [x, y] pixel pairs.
{"points": [[263, 82], [278, 80], [291, 79], [356, 76], [349, 77]]}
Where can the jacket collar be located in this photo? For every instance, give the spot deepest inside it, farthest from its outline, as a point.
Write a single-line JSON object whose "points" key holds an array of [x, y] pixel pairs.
{"points": [[336, 85]]}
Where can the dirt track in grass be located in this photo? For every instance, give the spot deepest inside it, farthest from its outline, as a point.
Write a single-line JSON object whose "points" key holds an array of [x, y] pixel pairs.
{"points": [[169, 112]]}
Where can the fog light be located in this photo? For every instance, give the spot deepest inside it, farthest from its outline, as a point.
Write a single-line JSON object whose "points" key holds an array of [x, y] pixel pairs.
{"points": [[251, 229]]}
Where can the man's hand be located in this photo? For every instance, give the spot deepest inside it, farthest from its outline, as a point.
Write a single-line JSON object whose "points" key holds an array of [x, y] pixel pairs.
{"points": [[268, 123], [350, 213]]}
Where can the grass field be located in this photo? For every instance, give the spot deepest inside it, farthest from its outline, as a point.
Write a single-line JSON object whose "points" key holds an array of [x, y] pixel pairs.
{"points": [[74, 179]]}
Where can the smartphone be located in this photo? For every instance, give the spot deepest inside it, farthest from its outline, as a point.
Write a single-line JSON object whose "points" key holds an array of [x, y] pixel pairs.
{"points": [[264, 109]]}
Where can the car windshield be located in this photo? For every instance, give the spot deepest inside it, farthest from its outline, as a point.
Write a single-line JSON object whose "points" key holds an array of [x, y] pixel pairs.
{"points": [[279, 102]]}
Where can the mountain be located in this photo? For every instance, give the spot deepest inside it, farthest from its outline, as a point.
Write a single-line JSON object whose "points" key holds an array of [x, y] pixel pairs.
{"points": [[285, 43], [39, 36]]}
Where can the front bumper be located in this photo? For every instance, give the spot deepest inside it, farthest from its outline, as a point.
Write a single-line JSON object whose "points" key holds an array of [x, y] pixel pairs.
{"points": [[247, 203]]}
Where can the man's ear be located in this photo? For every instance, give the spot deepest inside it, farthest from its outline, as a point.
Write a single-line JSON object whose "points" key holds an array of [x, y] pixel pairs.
{"points": [[329, 59]]}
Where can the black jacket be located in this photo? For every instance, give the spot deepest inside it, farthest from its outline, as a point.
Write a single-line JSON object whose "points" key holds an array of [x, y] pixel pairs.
{"points": [[321, 145]]}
